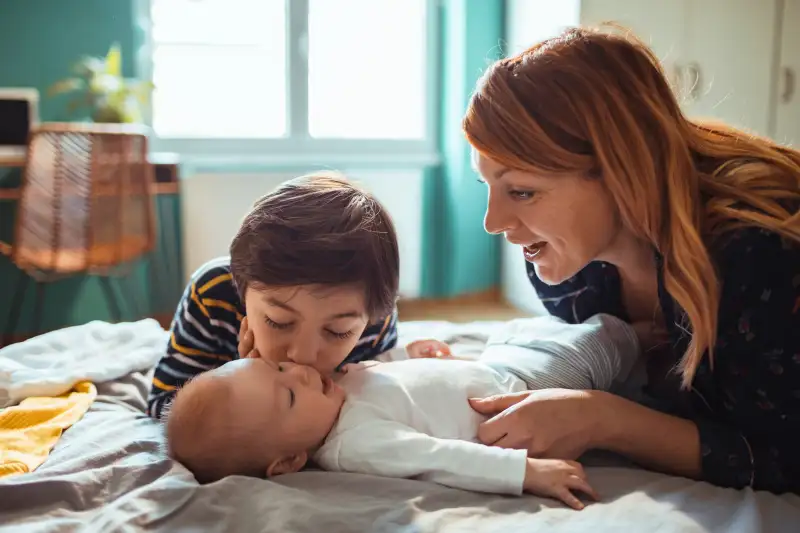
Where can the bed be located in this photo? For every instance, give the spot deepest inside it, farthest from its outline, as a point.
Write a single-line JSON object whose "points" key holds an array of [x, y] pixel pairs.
{"points": [[109, 473]]}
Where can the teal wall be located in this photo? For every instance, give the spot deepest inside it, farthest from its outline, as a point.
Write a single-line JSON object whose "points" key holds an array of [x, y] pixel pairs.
{"points": [[40, 40], [459, 256]]}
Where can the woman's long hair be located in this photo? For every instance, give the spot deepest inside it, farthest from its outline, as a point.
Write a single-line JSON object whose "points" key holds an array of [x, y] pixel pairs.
{"points": [[598, 104]]}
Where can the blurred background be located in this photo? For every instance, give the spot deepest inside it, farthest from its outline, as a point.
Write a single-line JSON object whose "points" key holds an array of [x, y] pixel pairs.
{"points": [[240, 95]]}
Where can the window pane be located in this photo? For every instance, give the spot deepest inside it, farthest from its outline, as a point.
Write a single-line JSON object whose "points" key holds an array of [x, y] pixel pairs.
{"points": [[253, 22], [367, 68], [217, 92]]}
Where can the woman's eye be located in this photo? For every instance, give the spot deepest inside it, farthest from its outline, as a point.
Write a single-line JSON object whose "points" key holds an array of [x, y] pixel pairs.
{"points": [[521, 195], [339, 335], [277, 325]]}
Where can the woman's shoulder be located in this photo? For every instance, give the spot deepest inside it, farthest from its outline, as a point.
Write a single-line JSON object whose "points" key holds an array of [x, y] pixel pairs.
{"points": [[758, 269], [755, 251]]}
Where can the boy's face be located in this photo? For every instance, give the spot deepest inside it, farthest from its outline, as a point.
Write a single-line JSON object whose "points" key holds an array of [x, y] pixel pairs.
{"points": [[295, 405], [308, 325]]}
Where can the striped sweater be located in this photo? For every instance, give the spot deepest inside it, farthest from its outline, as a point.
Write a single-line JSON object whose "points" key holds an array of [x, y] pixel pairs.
{"points": [[205, 333]]}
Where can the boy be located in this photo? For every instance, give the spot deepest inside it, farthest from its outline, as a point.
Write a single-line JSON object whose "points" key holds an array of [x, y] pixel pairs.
{"points": [[315, 269], [407, 418]]}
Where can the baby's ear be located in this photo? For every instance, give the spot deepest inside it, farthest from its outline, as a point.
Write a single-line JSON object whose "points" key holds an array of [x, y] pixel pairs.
{"points": [[288, 464]]}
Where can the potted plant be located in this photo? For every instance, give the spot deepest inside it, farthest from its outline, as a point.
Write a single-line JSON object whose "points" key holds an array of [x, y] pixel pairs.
{"points": [[103, 91]]}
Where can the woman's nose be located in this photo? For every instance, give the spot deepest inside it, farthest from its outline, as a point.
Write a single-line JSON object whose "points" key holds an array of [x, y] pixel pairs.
{"points": [[498, 218]]}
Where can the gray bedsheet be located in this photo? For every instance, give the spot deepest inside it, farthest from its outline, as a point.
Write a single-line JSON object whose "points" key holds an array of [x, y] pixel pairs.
{"points": [[109, 473]]}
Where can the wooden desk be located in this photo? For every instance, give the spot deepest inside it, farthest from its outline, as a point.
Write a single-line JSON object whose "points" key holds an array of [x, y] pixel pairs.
{"points": [[166, 168], [12, 157]]}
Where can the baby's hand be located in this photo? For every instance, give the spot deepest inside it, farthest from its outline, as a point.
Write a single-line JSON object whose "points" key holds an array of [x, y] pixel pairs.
{"points": [[555, 478], [428, 349]]}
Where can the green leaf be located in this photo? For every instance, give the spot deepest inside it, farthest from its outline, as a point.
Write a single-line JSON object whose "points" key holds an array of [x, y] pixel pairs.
{"points": [[114, 60], [65, 86]]}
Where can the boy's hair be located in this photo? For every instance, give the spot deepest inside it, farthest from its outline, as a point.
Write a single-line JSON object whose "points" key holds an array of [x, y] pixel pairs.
{"points": [[319, 229]]}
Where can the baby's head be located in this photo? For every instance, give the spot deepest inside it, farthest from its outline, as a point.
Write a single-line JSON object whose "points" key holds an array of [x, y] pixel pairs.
{"points": [[251, 417]]}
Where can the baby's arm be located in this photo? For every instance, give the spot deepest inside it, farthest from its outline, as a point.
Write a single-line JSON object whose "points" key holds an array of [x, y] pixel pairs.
{"points": [[391, 449], [552, 354]]}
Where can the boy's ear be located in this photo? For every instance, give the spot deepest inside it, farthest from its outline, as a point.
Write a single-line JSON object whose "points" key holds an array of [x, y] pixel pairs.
{"points": [[288, 464]]}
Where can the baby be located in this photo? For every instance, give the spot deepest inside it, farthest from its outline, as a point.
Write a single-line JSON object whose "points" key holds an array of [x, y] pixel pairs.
{"points": [[407, 418]]}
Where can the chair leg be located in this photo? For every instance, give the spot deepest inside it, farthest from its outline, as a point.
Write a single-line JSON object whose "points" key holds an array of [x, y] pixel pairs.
{"points": [[23, 282], [111, 298], [38, 308]]}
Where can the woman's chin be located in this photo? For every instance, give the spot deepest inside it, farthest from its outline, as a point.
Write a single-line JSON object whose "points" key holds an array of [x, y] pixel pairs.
{"points": [[551, 276]]}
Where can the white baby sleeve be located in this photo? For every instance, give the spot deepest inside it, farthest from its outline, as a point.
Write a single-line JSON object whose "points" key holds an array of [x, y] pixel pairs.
{"points": [[390, 449]]}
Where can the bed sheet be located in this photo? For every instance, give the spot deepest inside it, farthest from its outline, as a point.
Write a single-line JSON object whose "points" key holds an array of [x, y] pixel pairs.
{"points": [[109, 473]]}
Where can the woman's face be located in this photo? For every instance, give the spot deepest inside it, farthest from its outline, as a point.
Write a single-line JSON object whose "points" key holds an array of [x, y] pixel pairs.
{"points": [[308, 325], [562, 223]]}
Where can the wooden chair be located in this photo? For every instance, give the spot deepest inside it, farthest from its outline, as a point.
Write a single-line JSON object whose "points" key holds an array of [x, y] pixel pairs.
{"points": [[86, 206]]}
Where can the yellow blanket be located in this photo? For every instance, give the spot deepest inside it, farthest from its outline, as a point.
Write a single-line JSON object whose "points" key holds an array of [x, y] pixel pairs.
{"points": [[29, 431]]}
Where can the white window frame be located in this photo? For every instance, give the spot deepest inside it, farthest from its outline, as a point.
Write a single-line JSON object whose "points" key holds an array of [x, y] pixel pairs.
{"points": [[298, 147]]}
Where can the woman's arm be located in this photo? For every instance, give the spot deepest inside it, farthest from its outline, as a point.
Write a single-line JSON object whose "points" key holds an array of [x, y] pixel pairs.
{"points": [[653, 439], [750, 432]]}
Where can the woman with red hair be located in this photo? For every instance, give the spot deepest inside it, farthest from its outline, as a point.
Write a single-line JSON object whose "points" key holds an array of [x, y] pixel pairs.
{"points": [[689, 231]]}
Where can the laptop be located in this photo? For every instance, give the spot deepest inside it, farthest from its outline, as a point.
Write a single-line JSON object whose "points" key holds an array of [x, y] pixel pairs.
{"points": [[19, 113]]}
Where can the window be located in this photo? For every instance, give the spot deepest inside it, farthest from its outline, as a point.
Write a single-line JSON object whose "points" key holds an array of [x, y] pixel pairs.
{"points": [[249, 77]]}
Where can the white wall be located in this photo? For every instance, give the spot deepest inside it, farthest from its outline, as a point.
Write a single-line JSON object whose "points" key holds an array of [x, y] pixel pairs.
{"points": [[213, 206], [516, 287]]}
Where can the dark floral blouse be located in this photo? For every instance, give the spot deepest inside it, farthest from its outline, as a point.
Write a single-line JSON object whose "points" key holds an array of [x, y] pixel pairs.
{"points": [[747, 409]]}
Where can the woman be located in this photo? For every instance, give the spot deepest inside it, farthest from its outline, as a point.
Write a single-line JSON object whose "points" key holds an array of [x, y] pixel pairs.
{"points": [[624, 206]]}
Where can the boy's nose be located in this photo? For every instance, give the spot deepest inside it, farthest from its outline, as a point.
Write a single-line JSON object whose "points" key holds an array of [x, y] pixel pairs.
{"points": [[304, 353]]}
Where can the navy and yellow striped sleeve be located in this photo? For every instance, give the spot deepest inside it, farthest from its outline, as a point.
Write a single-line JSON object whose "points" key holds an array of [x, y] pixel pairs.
{"points": [[379, 337], [203, 336]]}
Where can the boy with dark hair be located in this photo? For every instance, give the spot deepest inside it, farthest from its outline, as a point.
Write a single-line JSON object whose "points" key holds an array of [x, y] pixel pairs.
{"points": [[312, 278]]}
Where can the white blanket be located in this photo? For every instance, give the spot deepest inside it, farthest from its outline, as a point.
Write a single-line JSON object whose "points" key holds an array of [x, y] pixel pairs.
{"points": [[50, 364]]}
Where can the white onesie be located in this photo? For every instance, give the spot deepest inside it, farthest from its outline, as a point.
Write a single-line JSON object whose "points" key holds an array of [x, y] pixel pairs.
{"points": [[411, 418]]}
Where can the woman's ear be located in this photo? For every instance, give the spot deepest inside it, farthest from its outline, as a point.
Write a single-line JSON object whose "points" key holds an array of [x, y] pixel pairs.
{"points": [[288, 464]]}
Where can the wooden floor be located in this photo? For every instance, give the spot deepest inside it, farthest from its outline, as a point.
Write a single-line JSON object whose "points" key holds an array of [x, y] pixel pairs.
{"points": [[481, 306]]}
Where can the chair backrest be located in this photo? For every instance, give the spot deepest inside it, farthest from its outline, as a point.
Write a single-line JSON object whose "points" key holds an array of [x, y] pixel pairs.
{"points": [[86, 201]]}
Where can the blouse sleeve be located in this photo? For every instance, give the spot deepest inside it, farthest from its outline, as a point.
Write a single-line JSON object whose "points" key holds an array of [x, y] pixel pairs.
{"points": [[755, 437]]}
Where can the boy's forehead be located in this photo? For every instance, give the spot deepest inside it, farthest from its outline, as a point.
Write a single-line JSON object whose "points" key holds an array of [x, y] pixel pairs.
{"points": [[345, 300]]}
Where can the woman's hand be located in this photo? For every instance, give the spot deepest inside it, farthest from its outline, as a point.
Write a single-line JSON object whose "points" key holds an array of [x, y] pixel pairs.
{"points": [[550, 423], [247, 341]]}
